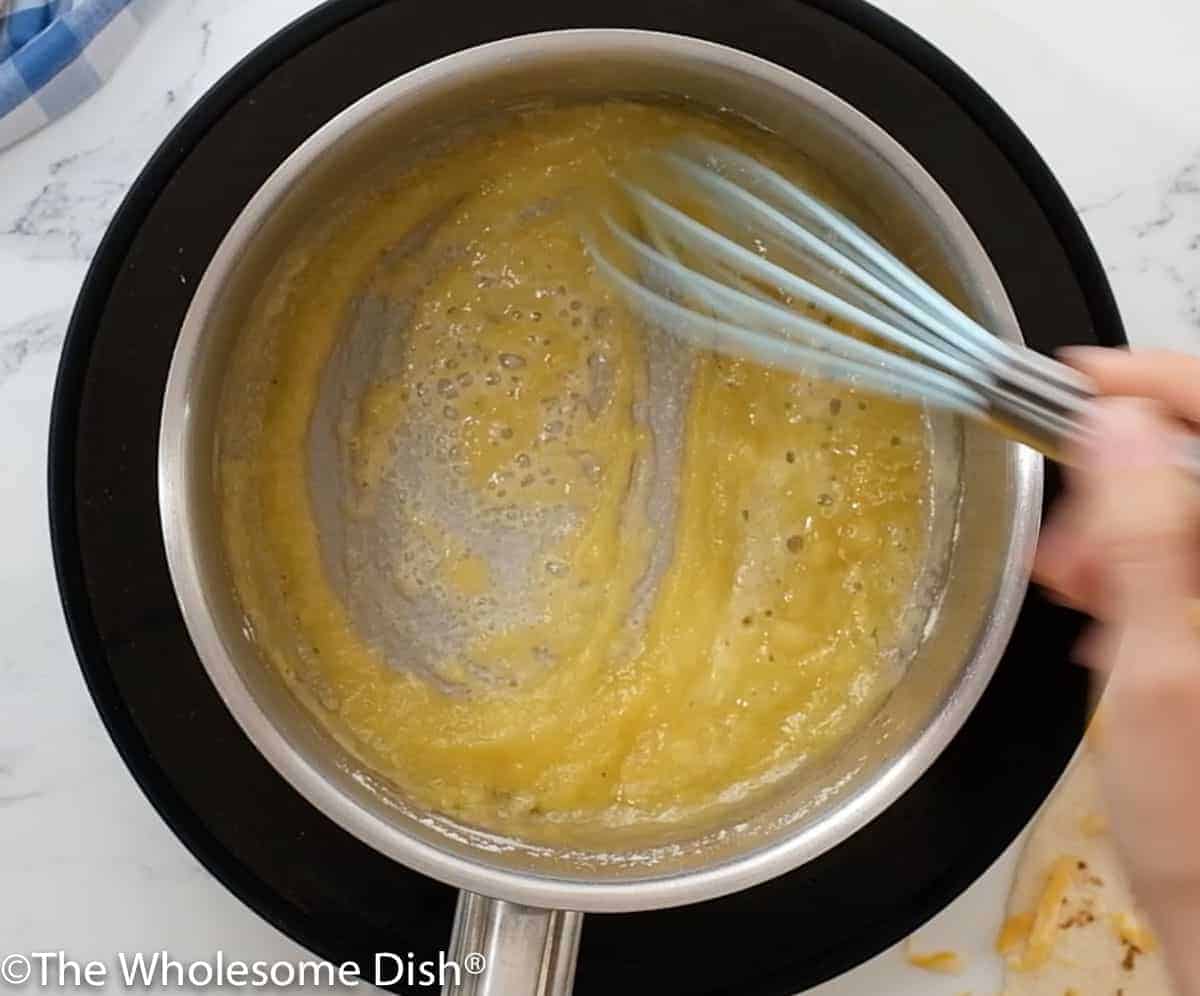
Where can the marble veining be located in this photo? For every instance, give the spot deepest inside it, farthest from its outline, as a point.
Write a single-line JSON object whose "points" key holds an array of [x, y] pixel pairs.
{"points": [[12, 800], [1149, 238], [39, 334], [1115, 110], [69, 213], [1181, 191]]}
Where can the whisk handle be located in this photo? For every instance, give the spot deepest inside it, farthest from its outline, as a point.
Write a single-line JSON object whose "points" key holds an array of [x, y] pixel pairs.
{"points": [[1057, 434]]}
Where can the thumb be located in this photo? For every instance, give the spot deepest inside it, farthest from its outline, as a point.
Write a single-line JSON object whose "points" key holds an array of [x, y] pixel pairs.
{"points": [[1144, 512]]}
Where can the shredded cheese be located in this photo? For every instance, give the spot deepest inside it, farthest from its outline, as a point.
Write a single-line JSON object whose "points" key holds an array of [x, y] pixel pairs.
{"points": [[1133, 932], [1014, 934], [1044, 931], [944, 962]]}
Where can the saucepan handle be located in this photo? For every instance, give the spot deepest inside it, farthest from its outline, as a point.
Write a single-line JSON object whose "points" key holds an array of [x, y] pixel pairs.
{"points": [[526, 951]]}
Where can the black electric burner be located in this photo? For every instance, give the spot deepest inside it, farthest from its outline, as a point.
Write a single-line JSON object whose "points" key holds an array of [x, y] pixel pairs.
{"points": [[284, 859]]}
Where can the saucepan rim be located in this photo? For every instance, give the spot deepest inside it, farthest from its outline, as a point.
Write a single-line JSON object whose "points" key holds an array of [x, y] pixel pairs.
{"points": [[476, 873]]}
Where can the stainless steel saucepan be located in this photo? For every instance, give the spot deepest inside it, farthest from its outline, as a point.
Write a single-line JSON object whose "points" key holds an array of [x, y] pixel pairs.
{"points": [[521, 906]]}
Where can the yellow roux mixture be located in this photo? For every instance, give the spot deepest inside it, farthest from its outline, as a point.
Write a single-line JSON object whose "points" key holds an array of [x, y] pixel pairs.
{"points": [[533, 605]]}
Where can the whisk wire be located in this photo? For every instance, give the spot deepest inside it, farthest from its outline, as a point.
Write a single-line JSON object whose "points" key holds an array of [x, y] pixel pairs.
{"points": [[706, 288], [704, 242], [752, 310], [801, 207], [723, 337], [744, 207]]}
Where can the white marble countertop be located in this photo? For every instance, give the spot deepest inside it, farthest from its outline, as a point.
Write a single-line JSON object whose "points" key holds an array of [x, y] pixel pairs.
{"points": [[1109, 94]]}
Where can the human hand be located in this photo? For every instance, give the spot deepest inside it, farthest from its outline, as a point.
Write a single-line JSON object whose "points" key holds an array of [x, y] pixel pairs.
{"points": [[1124, 547]]}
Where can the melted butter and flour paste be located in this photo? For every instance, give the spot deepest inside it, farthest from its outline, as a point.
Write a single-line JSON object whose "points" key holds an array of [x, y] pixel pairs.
{"points": [[535, 563]]}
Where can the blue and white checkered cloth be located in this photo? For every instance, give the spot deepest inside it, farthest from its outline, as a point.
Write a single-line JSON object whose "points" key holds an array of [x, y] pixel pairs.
{"points": [[56, 53]]}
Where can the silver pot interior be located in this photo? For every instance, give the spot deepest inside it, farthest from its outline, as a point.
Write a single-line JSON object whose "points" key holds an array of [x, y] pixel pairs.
{"points": [[986, 507]]}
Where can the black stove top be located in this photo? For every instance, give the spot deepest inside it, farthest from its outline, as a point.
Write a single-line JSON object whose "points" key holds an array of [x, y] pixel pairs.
{"points": [[270, 847]]}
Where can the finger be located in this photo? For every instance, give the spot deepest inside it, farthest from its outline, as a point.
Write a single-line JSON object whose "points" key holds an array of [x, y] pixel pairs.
{"points": [[1143, 516], [1067, 563], [1060, 565], [1097, 648], [1172, 378]]}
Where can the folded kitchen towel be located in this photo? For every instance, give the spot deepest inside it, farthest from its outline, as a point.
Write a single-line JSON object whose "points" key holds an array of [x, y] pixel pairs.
{"points": [[56, 53]]}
